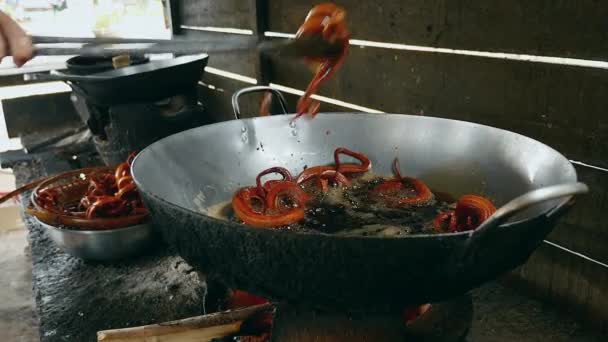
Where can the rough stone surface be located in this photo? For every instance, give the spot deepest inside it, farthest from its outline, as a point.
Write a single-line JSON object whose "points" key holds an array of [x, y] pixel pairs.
{"points": [[17, 309], [75, 299], [504, 315]]}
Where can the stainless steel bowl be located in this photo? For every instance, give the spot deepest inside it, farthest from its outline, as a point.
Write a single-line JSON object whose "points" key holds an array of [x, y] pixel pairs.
{"points": [[102, 245]]}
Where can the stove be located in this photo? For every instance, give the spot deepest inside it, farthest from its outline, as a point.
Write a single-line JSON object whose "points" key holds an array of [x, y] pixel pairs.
{"points": [[446, 322], [122, 123], [122, 128]]}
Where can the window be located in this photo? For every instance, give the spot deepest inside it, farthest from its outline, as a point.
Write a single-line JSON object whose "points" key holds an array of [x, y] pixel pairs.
{"points": [[91, 18]]}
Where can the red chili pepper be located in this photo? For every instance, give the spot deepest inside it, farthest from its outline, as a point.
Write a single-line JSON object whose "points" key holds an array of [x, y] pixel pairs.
{"points": [[471, 211], [389, 191]]}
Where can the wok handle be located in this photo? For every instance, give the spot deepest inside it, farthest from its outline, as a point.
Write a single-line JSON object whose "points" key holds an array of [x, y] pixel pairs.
{"points": [[525, 201], [55, 75], [256, 89]]}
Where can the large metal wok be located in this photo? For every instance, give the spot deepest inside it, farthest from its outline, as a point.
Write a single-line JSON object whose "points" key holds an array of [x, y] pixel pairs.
{"points": [[183, 175]]}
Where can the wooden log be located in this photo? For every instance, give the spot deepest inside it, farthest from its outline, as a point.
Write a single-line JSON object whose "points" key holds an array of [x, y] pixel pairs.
{"points": [[200, 328]]}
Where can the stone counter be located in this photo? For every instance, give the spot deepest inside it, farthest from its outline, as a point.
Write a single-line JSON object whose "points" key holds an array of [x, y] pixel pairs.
{"points": [[75, 299]]}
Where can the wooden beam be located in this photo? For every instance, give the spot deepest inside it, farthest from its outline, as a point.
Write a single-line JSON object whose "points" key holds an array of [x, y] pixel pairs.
{"points": [[568, 282], [214, 13], [172, 14], [576, 29], [259, 25], [561, 106]]}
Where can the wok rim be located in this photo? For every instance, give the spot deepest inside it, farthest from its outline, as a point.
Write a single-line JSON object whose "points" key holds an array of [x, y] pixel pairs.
{"points": [[132, 69], [86, 233], [333, 236]]}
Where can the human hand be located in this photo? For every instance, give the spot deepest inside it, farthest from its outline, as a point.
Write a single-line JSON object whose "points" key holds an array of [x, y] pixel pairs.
{"points": [[14, 41]]}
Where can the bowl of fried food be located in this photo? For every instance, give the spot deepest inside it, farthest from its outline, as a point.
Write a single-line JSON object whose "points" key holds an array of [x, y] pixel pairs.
{"points": [[93, 213]]}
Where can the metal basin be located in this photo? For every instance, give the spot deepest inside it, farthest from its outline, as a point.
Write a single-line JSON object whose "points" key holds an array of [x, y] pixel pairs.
{"points": [[102, 245]]}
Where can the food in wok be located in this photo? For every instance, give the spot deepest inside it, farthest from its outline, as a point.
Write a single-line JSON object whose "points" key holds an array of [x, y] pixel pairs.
{"points": [[349, 199]]}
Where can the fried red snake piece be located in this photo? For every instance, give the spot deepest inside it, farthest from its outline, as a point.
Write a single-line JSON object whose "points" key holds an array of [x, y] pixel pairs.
{"points": [[265, 104], [102, 185], [108, 195], [285, 190], [470, 212], [124, 169], [332, 175], [391, 190], [108, 206], [243, 205], [327, 20], [47, 198], [261, 206], [263, 188], [113, 195], [342, 169]]}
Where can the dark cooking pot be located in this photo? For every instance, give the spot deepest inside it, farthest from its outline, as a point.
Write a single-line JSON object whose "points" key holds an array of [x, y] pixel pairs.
{"points": [[182, 176], [155, 80]]}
